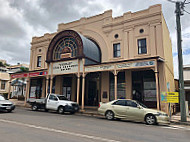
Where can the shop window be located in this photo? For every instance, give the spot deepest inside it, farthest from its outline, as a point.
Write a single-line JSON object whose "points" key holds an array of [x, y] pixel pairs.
{"points": [[3, 83], [116, 50], [39, 61], [121, 86], [142, 47]]}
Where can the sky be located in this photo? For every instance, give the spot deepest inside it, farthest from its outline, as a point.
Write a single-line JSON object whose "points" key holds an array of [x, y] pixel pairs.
{"points": [[20, 20]]}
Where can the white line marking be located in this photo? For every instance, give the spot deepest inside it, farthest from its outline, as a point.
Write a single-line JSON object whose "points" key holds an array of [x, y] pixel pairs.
{"points": [[176, 127], [59, 131]]}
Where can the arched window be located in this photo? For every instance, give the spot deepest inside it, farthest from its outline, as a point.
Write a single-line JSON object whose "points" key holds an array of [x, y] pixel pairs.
{"points": [[65, 45]]}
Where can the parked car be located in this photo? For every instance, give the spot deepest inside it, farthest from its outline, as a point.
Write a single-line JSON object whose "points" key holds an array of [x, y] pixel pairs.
{"points": [[132, 110], [55, 102], [6, 105]]}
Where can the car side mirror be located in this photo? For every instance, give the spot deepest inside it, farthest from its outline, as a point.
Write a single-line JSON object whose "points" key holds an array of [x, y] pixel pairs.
{"points": [[138, 107]]}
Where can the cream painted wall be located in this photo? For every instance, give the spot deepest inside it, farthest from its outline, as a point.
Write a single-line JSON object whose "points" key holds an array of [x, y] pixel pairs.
{"points": [[102, 28], [105, 86]]}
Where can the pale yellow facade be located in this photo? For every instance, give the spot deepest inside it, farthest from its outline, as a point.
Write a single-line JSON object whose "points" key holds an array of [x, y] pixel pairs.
{"points": [[102, 29]]}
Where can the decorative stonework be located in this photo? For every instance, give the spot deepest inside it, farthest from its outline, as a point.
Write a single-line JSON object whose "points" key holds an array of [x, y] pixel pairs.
{"points": [[61, 35]]}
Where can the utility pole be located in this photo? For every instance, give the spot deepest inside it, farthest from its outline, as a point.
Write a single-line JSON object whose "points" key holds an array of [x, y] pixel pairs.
{"points": [[178, 12]]}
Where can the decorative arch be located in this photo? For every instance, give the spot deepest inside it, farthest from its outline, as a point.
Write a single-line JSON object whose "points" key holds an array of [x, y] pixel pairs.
{"points": [[67, 41]]}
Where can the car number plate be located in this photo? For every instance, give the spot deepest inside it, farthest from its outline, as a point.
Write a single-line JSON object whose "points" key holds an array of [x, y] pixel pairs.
{"points": [[8, 107], [76, 108]]}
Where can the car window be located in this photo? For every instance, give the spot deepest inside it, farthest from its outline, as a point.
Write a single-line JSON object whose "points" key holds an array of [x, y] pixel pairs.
{"points": [[131, 103], [119, 102], [2, 98], [62, 98], [52, 97]]}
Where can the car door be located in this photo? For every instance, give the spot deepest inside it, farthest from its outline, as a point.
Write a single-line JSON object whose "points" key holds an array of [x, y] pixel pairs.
{"points": [[134, 112], [119, 108], [52, 102]]}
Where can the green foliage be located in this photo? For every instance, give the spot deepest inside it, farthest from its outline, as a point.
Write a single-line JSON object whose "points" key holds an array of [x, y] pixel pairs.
{"points": [[23, 69], [1, 64]]}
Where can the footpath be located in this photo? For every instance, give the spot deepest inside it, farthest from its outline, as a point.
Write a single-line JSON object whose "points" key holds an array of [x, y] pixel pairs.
{"points": [[175, 119]]}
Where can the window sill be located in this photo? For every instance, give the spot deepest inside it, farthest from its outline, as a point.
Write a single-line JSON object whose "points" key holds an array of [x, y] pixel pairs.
{"points": [[142, 55]]}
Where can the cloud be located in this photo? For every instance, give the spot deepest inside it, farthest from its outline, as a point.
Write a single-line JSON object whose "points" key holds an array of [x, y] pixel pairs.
{"points": [[20, 20]]}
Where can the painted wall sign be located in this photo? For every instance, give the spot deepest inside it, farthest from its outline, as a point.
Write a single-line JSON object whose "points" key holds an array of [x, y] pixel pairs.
{"points": [[136, 64], [65, 67], [99, 68]]}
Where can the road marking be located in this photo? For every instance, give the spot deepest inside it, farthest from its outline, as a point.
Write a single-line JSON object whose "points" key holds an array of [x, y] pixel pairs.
{"points": [[59, 131], [174, 127]]}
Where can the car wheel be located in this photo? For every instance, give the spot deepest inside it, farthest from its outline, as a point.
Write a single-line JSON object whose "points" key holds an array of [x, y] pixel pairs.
{"points": [[61, 110], [150, 119], [109, 115], [34, 107]]}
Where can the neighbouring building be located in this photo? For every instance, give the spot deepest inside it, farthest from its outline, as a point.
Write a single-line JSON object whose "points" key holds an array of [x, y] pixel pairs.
{"points": [[186, 72], [4, 80], [17, 86], [102, 58]]}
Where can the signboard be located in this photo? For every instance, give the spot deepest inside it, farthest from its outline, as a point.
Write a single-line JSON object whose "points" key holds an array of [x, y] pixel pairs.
{"points": [[22, 75], [164, 97], [99, 68], [65, 67], [32, 74], [37, 73], [173, 97], [136, 64], [170, 97], [33, 92]]}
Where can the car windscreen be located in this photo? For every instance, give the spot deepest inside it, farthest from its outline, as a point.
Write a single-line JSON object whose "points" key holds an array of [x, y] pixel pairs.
{"points": [[141, 104], [2, 98], [62, 98]]}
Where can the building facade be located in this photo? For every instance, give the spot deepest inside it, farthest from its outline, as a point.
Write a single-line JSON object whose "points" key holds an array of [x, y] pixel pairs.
{"points": [[186, 72], [102, 58]]}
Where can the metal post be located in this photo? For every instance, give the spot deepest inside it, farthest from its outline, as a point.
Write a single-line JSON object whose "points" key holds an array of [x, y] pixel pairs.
{"points": [[180, 61]]}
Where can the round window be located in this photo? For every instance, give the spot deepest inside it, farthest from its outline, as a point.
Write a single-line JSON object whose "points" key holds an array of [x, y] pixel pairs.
{"points": [[141, 31], [116, 35]]}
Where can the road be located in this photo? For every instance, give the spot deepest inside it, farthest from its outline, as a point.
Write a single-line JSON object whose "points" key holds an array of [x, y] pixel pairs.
{"points": [[38, 126]]}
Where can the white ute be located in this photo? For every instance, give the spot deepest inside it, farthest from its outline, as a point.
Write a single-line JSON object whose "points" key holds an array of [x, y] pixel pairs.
{"points": [[55, 102]]}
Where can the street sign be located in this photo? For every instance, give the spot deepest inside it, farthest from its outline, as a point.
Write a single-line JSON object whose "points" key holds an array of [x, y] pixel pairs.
{"points": [[164, 97], [170, 97], [173, 97]]}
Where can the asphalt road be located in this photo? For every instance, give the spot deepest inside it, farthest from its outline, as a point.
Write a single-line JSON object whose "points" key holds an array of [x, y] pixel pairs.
{"points": [[24, 125]]}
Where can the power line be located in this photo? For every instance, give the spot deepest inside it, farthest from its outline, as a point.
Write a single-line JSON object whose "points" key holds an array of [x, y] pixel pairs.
{"points": [[186, 11], [171, 1]]}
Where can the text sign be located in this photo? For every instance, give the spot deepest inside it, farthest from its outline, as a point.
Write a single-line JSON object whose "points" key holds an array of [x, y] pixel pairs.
{"points": [[99, 68], [136, 64], [65, 67], [170, 97], [173, 97]]}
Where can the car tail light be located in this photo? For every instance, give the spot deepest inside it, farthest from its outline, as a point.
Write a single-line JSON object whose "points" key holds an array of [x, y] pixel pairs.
{"points": [[99, 105]]}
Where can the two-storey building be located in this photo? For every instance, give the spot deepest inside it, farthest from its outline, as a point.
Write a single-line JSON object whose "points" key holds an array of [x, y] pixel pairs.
{"points": [[102, 58]]}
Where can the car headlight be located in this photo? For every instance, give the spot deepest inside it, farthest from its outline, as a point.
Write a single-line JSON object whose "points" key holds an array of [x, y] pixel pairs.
{"points": [[69, 104], [161, 114]]}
